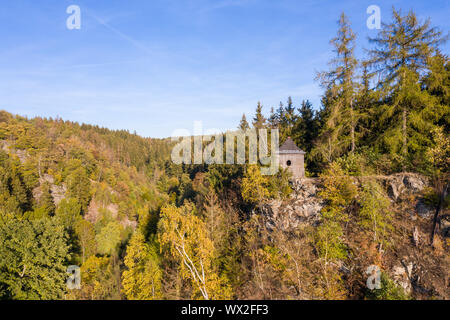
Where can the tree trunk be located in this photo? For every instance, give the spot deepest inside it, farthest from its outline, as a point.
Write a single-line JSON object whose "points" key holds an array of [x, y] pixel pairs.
{"points": [[352, 116], [436, 214], [405, 147]]}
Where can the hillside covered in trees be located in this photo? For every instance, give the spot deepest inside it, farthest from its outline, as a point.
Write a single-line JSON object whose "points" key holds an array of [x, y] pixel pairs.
{"points": [[141, 227]]}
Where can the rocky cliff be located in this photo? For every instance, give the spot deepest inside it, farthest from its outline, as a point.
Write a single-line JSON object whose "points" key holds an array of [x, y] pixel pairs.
{"points": [[413, 264]]}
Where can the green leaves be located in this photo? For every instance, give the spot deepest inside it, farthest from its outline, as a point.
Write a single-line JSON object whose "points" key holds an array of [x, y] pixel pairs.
{"points": [[374, 212], [32, 259], [338, 192], [109, 238], [78, 187]]}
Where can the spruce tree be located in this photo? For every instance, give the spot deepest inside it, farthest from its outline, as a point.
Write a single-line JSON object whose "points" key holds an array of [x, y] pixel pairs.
{"points": [[288, 119], [243, 125], [280, 114], [273, 119], [46, 201], [259, 121], [366, 103], [290, 113], [306, 127]]}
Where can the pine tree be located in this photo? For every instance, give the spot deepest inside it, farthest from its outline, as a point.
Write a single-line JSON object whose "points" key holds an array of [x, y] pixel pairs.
{"points": [[366, 103], [306, 127], [338, 134], [108, 239], [243, 125], [254, 185], [290, 113], [46, 200], [437, 83], [273, 119], [78, 186], [259, 121], [68, 213], [402, 49], [287, 119]]}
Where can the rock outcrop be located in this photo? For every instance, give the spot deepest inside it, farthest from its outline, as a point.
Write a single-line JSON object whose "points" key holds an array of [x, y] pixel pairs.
{"points": [[303, 207], [411, 263], [401, 183]]}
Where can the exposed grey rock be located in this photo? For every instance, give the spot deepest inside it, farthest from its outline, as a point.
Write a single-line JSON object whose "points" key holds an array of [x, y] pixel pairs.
{"points": [[47, 178], [4, 145], [424, 210], [305, 205], [303, 208], [403, 274], [445, 227], [392, 191], [22, 155], [413, 183], [58, 192], [401, 183]]}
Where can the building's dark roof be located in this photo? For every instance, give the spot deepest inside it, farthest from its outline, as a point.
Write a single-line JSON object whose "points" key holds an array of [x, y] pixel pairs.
{"points": [[290, 147]]}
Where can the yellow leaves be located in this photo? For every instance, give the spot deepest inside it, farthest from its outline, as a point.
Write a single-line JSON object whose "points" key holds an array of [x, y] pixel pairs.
{"points": [[274, 257], [96, 279], [439, 154], [183, 237], [182, 231], [254, 185], [338, 189], [339, 192], [142, 279], [92, 265], [173, 183]]}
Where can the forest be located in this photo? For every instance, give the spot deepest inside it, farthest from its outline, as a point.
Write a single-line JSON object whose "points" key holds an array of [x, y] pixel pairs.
{"points": [[143, 228]]}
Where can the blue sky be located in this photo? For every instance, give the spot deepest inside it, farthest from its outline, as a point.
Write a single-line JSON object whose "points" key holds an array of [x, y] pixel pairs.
{"points": [[158, 65]]}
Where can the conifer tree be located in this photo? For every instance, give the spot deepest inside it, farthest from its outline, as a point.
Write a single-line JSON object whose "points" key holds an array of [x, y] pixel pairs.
{"points": [[366, 103], [273, 119], [259, 121], [243, 125], [400, 54], [254, 185], [437, 83], [306, 127], [290, 113], [46, 200], [338, 133]]}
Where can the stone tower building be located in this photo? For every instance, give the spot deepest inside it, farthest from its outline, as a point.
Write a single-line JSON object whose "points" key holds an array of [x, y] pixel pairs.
{"points": [[293, 158]]}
